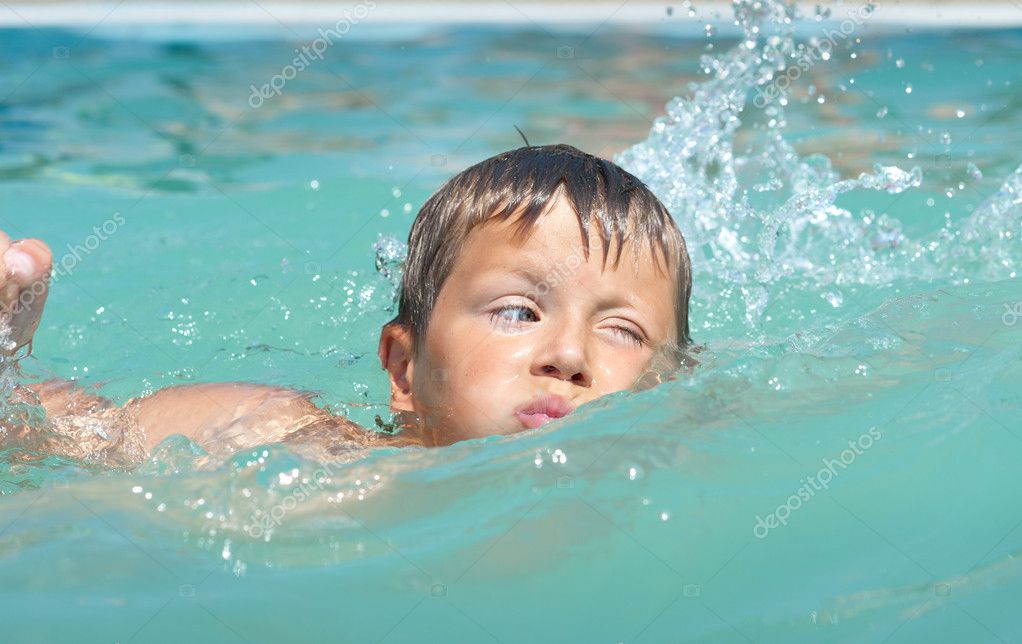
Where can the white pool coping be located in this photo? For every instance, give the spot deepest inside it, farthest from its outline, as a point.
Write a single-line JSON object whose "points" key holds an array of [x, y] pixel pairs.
{"points": [[304, 13]]}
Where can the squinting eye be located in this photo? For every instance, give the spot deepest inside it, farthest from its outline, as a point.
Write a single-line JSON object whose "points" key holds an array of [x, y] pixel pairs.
{"points": [[512, 313], [629, 335]]}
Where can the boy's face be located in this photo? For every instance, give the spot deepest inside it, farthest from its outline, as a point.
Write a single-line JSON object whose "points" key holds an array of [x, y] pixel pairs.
{"points": [[525, 332]]}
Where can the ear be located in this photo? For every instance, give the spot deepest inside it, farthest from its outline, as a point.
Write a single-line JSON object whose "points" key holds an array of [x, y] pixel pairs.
{"points": [[398, 358]]}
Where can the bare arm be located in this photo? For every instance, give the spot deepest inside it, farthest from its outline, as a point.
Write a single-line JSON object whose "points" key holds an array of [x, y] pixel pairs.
{"points": [[220, 417], [226, 416]]}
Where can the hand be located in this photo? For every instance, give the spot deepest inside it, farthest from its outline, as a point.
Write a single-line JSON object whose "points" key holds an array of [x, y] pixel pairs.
{"points": [[24, 285]]}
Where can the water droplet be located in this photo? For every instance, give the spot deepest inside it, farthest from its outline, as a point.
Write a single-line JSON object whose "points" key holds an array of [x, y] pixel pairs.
{"points": [[908, 89], [772, 184], [833, 298], [314, 184]]}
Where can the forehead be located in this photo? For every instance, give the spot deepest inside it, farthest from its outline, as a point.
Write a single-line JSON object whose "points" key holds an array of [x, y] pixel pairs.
{"points": [[554, 252]]}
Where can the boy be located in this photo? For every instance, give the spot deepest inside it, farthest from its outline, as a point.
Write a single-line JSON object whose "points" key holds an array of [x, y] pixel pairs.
{"points": [[536, 281]]}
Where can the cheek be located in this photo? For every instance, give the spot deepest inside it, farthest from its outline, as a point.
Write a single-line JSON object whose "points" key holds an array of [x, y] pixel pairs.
{"points": [[488, 368], [472, 397], [459, 358], [473, 354], [469, 376], [618, 370]]}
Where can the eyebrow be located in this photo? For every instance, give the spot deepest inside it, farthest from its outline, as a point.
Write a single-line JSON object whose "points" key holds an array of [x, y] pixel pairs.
{"points": [[529, 274], [530, 271]]}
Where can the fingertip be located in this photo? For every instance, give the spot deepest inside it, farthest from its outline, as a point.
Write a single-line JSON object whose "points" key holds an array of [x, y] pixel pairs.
{"points": [[38, 250], [21, 266]]}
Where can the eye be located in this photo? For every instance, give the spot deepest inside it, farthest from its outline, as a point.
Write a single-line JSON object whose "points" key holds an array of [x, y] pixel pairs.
{"points": [[628, 335], [512, 314]]}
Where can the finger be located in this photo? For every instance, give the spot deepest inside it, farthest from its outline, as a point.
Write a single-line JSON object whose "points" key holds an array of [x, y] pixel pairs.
{"points": [[29, 261], [40, 252], [8, 294], [20, 265]]}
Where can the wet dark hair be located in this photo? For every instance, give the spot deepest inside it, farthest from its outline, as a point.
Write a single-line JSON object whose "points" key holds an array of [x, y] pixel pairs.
{"points": [[521, 185]]}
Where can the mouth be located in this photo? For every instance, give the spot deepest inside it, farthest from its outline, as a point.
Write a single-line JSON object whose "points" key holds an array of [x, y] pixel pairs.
{"points": [[542, 410]]}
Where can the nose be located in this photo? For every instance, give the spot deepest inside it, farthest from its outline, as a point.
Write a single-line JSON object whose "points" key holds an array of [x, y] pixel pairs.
{"points": [[563, 356]]}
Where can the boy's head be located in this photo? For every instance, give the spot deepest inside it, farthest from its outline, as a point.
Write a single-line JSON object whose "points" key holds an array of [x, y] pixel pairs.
{"points": [[536, 280]]}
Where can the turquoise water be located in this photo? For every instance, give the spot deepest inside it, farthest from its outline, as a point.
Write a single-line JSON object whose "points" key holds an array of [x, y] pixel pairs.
{"points": [[239, 244]]}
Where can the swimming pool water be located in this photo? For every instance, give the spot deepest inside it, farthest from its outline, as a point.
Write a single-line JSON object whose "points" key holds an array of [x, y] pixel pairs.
{"points": [[205, 239]]}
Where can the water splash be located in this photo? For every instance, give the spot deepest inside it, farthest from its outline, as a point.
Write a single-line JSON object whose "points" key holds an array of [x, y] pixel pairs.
{"points": [[390, 258], [989, 239], [790, 219]]}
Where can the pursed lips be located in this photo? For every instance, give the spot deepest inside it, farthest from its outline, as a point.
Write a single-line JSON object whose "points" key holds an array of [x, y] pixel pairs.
{"points": [[542, 410]]}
